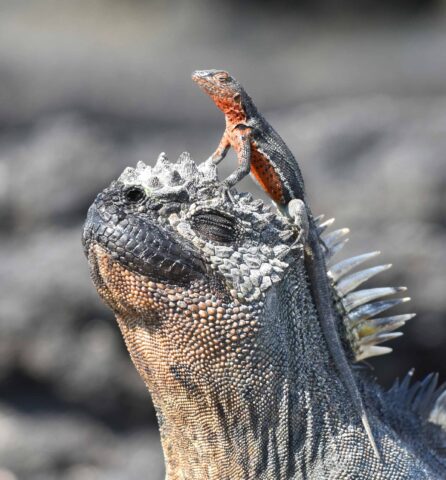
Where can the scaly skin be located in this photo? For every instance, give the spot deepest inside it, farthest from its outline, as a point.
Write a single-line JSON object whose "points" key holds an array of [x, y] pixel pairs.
{"points": [[261, 151], [216, 310]]}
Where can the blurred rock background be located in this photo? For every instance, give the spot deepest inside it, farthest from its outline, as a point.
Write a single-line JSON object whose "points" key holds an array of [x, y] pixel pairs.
{"points": [[356, 88]]}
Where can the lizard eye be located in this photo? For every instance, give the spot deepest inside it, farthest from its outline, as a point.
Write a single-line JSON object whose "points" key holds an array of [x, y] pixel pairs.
{"points": [[215, 226], [134, 194], [224, 78]]}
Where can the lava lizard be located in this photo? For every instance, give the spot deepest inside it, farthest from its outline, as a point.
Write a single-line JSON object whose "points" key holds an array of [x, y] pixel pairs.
{"points": [[262, 152]]}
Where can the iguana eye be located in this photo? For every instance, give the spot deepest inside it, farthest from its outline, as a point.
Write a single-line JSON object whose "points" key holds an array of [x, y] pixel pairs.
{"points": [[215, 226], [134, 194]]}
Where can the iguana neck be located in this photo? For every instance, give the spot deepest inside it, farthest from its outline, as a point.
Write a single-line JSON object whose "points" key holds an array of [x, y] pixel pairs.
{"points": [[259, 422]]}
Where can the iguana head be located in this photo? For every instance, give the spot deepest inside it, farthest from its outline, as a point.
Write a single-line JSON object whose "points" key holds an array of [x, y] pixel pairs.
{"points": [[189, 269], [172, 225]]}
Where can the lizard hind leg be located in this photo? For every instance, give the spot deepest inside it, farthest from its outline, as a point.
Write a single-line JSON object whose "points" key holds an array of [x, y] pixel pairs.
{"points": [[297, 211], [225, 190]]}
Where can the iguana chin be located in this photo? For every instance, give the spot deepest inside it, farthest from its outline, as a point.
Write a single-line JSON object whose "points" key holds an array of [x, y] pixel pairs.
{"points": [[215, 307]]}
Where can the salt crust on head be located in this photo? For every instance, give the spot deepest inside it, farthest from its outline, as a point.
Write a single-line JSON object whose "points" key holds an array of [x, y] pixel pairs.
{"points": [[249, 267]]}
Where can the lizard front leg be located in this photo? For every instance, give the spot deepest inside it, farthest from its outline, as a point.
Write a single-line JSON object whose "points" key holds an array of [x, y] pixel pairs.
{"points": [[242, 144], [221, 151]]}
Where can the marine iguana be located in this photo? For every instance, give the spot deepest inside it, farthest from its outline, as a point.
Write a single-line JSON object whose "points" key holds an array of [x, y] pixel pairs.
{"points": [[215, 306]]}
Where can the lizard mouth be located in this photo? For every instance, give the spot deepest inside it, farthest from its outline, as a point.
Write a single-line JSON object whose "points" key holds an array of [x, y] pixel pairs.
{"points": [[200, 76], [204, 81]]}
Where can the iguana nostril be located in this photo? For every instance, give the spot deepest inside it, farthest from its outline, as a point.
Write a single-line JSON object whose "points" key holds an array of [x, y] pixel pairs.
{"points": [[134, 194]]}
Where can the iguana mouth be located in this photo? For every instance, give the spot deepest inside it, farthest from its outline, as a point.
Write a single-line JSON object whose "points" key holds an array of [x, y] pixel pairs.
{"points": [[95, 270], [142, 247]]}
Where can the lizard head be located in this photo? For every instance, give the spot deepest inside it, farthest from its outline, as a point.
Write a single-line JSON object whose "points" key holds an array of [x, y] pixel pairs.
{"points": [[225, 90]]}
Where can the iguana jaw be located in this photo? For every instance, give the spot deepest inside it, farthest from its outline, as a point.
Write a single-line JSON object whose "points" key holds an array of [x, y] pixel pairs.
{"points": [[156, 254]]}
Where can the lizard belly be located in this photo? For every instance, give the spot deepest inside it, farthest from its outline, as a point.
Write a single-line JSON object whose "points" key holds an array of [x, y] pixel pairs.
{"points": [[266, 176]]}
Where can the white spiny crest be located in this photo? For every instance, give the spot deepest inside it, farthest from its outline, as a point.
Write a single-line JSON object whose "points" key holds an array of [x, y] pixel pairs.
{"points": [[342, 268], [334, 238], [360, 307], [322, 226], [347, 284], [438, 414], [164, 175], [333, 242]]}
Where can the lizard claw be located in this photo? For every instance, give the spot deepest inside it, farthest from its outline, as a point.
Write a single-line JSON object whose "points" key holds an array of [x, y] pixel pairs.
{"points": [[225, 190]]}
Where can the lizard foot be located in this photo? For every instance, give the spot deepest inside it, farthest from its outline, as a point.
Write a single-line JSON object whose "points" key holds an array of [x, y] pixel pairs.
{"points": [[297, 211], [225, 190]]}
